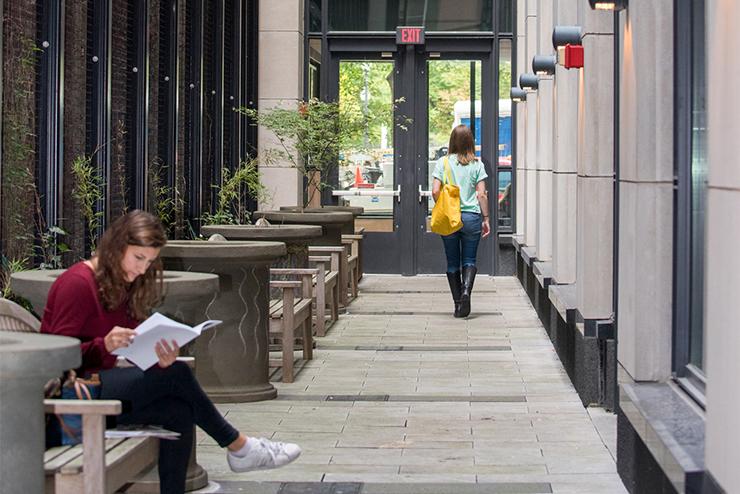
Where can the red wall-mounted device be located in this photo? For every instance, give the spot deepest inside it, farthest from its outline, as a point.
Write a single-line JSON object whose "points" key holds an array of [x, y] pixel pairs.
{"points": [[573, 56]]}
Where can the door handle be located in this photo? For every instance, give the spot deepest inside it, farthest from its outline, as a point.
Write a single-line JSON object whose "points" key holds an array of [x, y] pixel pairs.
{"points": [[423, 194], [368, 192]]}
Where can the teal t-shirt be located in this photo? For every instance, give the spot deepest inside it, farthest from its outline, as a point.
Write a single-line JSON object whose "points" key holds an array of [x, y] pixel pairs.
{"points": [[464, 176]]}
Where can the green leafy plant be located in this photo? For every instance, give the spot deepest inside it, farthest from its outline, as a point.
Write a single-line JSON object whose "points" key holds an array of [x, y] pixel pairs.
{"points": [[7, 268], [88, 191], [162, 197], [310, 136], [230, 207]]}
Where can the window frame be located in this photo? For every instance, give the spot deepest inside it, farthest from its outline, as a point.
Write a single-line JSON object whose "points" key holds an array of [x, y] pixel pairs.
{"points": [[688, 376]]}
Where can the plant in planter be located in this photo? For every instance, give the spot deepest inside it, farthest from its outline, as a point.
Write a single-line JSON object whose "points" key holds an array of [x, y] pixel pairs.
{"points": [[88, 191], [230, 207], [310, 138]]}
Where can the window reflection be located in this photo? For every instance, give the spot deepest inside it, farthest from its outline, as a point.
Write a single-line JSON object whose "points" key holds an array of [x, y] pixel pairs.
{"points": [[505, 196], [435, 15]]}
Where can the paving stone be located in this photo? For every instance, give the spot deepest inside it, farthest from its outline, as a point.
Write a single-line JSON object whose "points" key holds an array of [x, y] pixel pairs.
{"points": [[422, 402]]}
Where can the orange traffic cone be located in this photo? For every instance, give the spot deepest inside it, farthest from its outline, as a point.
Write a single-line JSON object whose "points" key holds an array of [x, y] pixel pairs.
{"points": [[358, 177]]}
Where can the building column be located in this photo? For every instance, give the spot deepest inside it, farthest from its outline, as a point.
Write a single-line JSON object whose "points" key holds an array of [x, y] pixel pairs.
{"points": [[722, 264], [280, 84], [646, 190], [521, 127], [595, 167], [565, 103], [544, 135], [530, 155]]}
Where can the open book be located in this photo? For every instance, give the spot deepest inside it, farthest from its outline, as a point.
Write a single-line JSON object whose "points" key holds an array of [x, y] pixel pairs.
{"points": [[141, 352]]}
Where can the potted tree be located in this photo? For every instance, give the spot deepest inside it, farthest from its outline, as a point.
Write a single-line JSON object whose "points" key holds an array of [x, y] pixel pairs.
{"points": [[310, 137]]}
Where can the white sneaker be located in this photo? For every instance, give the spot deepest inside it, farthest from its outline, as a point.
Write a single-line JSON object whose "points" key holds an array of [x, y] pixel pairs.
{"points": [[263, 454]]}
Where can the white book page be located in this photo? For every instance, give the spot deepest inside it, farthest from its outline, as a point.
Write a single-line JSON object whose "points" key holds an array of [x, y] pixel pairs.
{"points": [[157, 327]]}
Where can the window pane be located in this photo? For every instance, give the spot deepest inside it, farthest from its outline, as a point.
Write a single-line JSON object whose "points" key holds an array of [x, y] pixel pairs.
{"points": [[314, 19], [314, 68], [366, 163], [505, 16], [504, 136], [450, 105], [435, 15], [698, 184]]}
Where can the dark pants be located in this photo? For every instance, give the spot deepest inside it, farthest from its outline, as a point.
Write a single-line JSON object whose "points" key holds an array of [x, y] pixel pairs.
{"points": [[173, 399], [461, 247]]}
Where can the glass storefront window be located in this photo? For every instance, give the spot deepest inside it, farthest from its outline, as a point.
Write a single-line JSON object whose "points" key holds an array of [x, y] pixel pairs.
{"points": [[505, 185], [698, 184], [434, 15]]}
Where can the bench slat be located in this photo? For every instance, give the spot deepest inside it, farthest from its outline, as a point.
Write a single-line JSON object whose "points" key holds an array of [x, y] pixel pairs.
{"points": [[114, 450], [70, 454]]}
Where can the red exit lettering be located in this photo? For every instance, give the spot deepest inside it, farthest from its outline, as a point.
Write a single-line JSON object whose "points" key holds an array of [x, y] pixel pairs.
{"points": [[410, 35]]}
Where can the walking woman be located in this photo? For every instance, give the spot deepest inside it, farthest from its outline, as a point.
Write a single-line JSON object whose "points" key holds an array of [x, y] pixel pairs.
{"points": [[461, 247], [100, 301]]}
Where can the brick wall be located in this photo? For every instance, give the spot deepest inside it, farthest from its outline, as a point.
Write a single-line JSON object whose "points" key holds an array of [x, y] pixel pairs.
{"points": [[20, 56]]}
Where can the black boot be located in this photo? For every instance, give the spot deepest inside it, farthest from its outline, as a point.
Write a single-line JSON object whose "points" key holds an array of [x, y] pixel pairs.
{"points": [[468, 278], [456, 289]]}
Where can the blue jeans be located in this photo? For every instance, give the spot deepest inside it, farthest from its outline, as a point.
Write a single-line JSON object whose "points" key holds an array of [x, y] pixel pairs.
{"points": [[462, 246]]}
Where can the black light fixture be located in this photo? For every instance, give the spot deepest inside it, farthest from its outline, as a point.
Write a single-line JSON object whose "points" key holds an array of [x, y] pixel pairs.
{"points": [[518, 95], [566, 35], [613, 5], [529, 82], [544, 64]]}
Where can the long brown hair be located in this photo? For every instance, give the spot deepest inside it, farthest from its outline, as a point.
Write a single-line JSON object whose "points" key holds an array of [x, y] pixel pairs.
{"points": [[462, 144], [135, 228]]}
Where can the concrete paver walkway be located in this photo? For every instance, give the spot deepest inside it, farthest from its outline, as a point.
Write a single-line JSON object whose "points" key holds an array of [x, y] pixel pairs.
{"points": [[402, 397]]}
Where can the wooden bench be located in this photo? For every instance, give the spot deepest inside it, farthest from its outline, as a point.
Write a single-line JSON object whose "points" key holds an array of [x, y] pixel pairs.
{"points": [[326, 293], [341, 251], [98, 465], [352, 242], [292, 314], [358, 237]]}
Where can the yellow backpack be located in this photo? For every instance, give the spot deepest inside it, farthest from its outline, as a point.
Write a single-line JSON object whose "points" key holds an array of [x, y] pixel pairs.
{"points": [[446, 218]]}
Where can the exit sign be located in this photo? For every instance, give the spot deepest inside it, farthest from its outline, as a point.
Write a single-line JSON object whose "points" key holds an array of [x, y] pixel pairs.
{"points": [[406, 35]]}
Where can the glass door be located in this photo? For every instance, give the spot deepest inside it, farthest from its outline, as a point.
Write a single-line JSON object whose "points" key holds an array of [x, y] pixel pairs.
{"points": [[406, 99], [452, 95]]}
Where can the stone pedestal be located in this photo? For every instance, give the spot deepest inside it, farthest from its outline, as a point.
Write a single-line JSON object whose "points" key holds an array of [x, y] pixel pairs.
{"points": [[232, 359], [27, 362], [333, 223]]}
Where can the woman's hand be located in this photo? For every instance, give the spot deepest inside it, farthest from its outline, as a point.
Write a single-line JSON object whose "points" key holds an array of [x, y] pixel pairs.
{"points": [[118, 337], [485, 228], [167, 353]]}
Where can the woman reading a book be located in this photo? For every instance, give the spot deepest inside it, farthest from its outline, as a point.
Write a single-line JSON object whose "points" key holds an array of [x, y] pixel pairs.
{"points": [[100, 301]]}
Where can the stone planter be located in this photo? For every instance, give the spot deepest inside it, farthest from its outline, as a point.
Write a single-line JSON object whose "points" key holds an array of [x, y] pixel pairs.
{"points": [[333, 223], [27, 362], [347, 229], [297, 238], [184, 293], [232, 359]]}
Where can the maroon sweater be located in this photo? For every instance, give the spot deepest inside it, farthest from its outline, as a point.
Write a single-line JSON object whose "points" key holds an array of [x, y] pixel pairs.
{"points": [[74, 309]]}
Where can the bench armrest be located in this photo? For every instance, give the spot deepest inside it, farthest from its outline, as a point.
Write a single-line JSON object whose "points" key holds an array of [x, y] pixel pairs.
{"points": [[296, 271], [83, 407]]}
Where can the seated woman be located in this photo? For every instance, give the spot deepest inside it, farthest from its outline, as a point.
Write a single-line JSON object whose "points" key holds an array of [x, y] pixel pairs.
{"points": [[101, 301]]}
